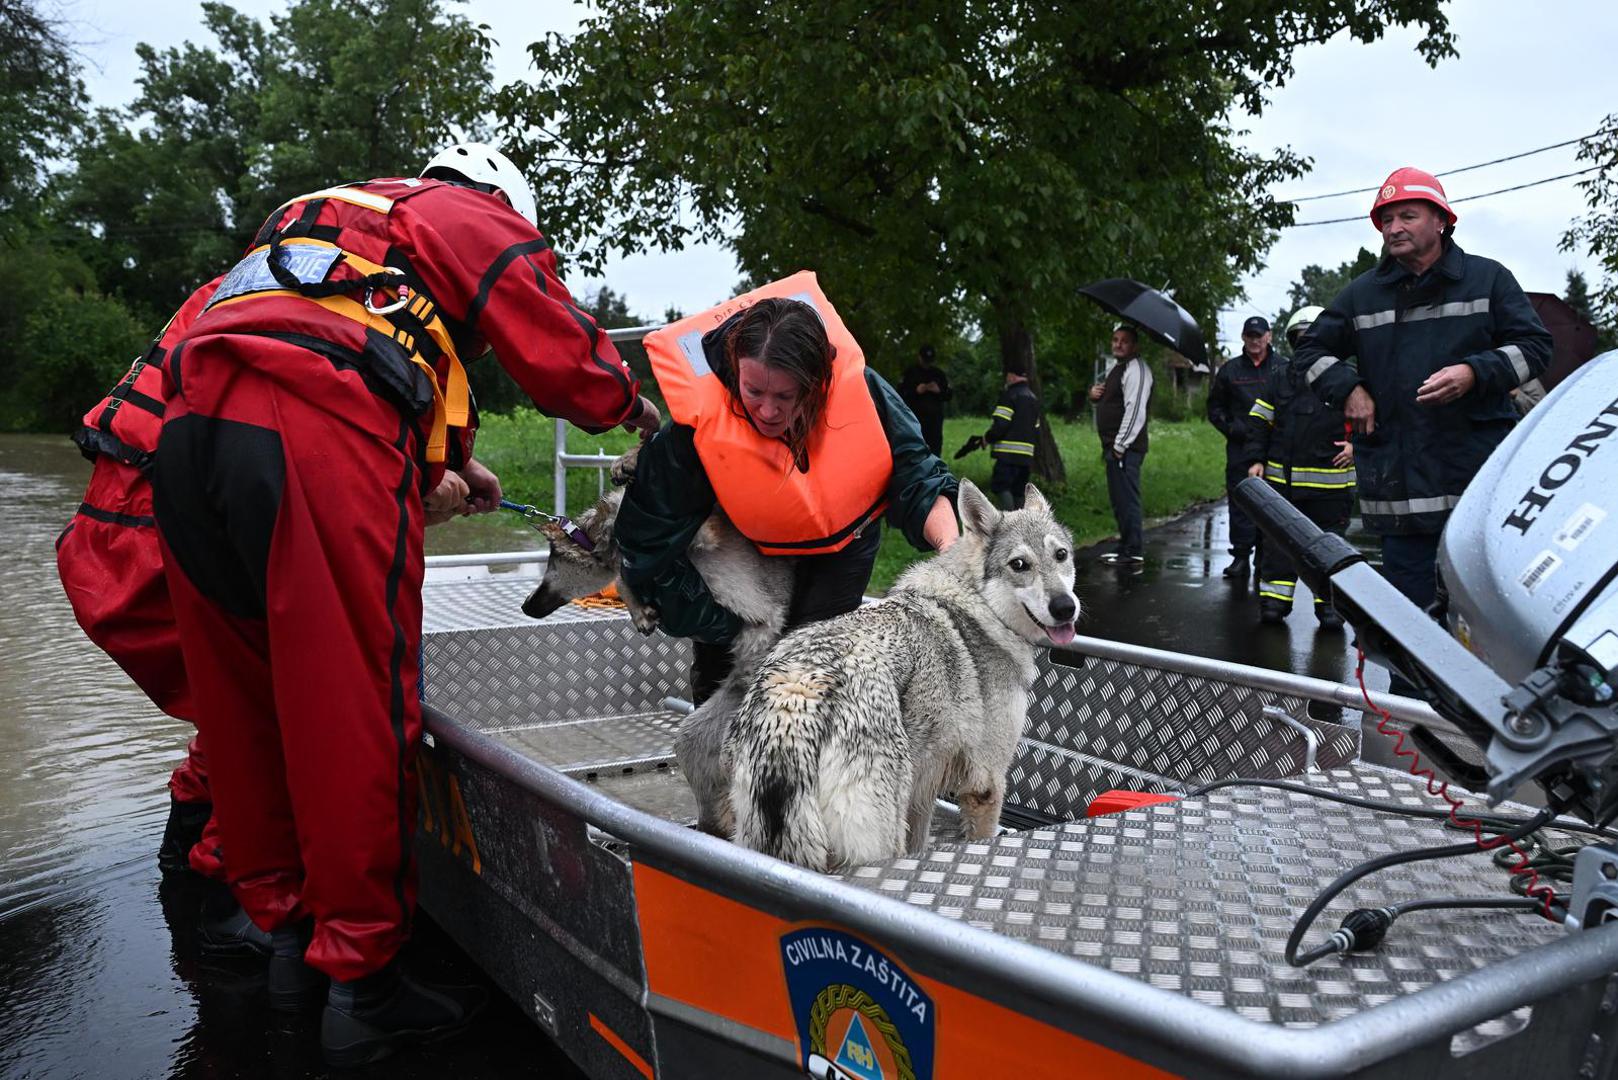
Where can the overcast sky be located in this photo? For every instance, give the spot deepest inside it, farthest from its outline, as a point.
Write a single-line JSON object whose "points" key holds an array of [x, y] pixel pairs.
{"points": [[1527, 76]]}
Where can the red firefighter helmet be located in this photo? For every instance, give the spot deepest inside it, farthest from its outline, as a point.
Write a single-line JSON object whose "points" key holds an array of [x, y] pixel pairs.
{"points": [[1407, 183]]}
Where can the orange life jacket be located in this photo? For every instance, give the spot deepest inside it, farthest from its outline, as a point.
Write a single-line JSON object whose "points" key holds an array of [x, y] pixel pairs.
{"points": [[781, 510]]}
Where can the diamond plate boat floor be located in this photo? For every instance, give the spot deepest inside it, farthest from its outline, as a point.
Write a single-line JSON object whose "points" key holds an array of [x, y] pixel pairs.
{"points": [[1198, 896]]}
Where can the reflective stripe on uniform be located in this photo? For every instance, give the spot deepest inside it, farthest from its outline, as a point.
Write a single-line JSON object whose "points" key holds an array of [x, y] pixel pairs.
{"points": [[1323, 477], [1319, 368], [1009, 447], [1518, 363], [1002, 412], [1398, 507], [1274, 473], [1454, 309], [1278, 590], [1451, 310], [1263, 410]]}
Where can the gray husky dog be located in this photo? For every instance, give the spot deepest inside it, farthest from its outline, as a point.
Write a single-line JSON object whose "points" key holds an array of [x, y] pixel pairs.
{"points": [[758, 588], [851, 728]]}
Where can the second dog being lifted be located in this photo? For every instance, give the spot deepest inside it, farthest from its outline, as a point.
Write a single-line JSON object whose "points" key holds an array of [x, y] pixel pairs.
{"points": [[852, 727]]}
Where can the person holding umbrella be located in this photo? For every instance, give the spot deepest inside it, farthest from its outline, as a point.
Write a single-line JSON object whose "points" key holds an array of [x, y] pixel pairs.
{"points": [[1230, 400], [1121, 403]]}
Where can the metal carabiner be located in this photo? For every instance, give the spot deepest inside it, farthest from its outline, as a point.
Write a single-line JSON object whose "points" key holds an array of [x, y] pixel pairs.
{"points": [[388, 309]]}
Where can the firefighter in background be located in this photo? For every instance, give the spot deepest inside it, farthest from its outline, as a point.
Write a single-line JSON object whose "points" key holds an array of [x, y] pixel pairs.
{"points": [[1010, 439], [1301, 447], [1230, 400], [308, 411]]}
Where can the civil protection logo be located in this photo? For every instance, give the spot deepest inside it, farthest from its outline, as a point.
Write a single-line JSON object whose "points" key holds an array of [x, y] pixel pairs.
{"points": [[860, 1016], [1389, 192]]}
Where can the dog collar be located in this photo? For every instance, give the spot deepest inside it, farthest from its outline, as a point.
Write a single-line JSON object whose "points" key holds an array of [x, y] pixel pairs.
{"points": [[536, 517]]}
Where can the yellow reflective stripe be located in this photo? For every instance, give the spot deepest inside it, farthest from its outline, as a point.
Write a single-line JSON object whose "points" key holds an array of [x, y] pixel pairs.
{"points": [[1002, 412], [368, 199], [1009, 447], [1263, 410], [1274, 473]]}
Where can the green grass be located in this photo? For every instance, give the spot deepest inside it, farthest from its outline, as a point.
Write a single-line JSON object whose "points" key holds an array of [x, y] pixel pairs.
{"points": [[1185, 466]]}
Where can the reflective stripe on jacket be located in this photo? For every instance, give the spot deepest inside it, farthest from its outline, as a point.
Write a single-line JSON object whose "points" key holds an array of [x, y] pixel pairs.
{"points": [[1014, 425], [782, 508], [1389, 330], [1295, 435]]}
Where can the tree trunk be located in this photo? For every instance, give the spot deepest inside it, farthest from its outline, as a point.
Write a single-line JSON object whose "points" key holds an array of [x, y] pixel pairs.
{"points": [[1017, 354]]}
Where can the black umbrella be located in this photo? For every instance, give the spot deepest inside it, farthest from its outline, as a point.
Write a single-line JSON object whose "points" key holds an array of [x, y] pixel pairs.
{"points": [[1160, 318]]}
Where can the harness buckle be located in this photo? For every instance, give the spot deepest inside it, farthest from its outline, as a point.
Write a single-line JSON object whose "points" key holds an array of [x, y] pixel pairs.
{"points": [[402, 299]]}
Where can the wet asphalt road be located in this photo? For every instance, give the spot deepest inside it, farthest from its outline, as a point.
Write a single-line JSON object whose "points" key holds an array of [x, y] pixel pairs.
{"points": [[100, 976]]}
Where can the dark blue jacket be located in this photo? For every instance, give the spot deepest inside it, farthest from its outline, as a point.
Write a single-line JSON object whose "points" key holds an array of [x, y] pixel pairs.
{"points": [[671, 497], [1390, 330], [1235, 387]]}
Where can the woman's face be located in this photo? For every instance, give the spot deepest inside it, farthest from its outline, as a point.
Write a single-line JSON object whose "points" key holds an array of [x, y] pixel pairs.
{"points": [[769, 395]]}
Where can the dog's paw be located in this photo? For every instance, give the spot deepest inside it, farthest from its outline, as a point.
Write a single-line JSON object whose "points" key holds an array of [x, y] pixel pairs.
{"points": [[622, 471], [645, 619]]}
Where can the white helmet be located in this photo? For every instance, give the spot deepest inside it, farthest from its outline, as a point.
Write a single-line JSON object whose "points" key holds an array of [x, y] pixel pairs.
{"points": [[1301, 320], [483, 164]]}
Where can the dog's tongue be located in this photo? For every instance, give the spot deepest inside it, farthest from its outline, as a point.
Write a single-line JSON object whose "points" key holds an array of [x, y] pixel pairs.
{"points": [[1060, 635]]}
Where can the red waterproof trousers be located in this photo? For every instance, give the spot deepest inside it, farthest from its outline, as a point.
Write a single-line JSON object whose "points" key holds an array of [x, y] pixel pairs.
{"points": [[288, 501], [112, 571]]}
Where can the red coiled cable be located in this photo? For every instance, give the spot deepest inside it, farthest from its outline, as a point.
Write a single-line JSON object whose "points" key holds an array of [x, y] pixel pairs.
{"points": [[1532, 887]]}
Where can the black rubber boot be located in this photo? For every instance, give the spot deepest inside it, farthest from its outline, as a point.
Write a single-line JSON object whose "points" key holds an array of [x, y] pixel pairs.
{"points": [[181, 834], [1240, 566], [294, 986], [1328, 618], [369, 1018], [225, 929], [1272, 611]]}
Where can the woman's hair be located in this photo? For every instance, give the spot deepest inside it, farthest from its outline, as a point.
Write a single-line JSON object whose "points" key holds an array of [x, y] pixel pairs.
{"points": [[786, 335]]}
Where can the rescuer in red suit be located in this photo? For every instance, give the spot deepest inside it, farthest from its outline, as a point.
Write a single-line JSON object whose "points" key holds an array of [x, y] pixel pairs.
{"points": [[307, 410]]}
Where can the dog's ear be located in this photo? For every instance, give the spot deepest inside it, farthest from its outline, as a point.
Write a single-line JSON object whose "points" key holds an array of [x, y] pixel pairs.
{"points": [[1033, 500], [978, 514]]}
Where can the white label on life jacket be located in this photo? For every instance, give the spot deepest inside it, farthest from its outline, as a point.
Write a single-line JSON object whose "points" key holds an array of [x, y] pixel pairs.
{"points": [[309, 263]]}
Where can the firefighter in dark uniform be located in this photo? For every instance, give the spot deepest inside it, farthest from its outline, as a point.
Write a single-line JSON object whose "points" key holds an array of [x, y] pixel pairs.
{"points": [[1010, 439], [1230, 400], [1299, 445]]}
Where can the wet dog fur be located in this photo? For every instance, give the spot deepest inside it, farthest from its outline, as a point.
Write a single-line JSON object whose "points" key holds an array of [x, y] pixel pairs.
{"points": [[757, 588], [851, 728]]}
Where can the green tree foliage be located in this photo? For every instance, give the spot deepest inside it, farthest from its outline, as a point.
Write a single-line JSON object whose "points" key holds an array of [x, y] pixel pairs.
{"points": [[1597, 231], [1319, 286], [167, 192], [940, 165], [41, 103], [1578, 298]]}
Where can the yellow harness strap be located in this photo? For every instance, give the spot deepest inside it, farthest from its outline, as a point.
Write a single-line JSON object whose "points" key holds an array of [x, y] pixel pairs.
{"points": [[452, 401]]}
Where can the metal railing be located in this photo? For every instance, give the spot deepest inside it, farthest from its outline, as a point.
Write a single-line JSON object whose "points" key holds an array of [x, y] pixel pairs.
{"points": [[600, 461]]}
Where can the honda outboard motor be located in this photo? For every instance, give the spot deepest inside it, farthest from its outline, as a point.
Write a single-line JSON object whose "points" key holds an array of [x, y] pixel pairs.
{"points": [[1528, 588]]}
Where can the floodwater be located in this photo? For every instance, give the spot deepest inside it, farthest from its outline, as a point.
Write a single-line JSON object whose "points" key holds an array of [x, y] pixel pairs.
{"points": [[100, 974]]}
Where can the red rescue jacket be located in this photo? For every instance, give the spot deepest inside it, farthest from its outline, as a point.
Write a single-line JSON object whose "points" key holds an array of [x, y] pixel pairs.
{"points": [[463, 272]]}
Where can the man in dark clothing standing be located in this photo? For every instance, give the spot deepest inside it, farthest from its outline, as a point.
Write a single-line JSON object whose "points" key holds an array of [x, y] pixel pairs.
{"points": [[1121, 402], [925, 388], [1230, 400], [1010, 440], [1422, 354], [1299, 445]]}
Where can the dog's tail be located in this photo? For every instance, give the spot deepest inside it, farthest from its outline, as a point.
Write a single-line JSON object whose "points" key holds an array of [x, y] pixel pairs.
{"points": [[804, 790], [775, 744]]}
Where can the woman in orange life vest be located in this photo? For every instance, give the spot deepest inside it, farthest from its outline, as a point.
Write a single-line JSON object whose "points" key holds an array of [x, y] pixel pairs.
{"points": [[775, 417]]}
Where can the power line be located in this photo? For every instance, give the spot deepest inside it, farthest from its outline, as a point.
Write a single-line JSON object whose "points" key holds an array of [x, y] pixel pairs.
{"points": [[1455, 172], [1468, 198]]}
